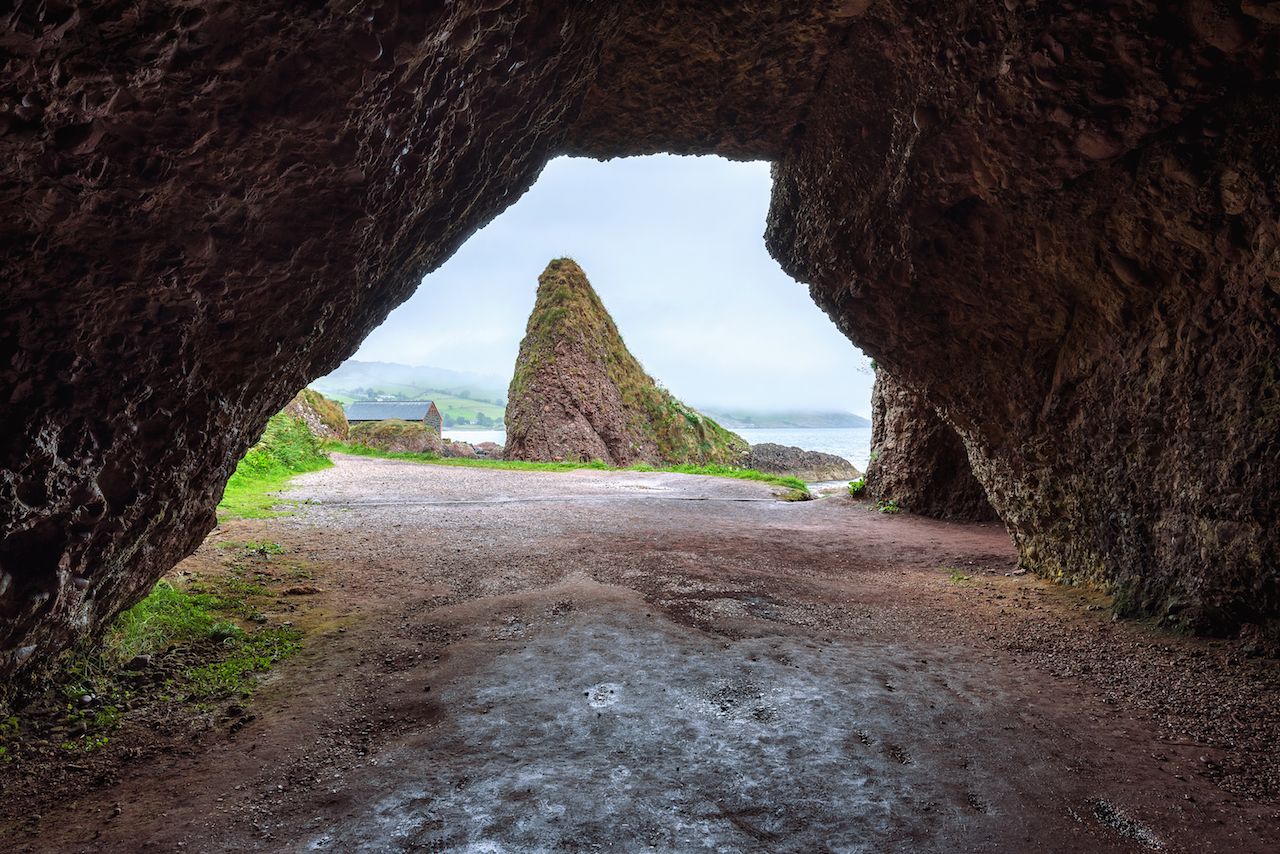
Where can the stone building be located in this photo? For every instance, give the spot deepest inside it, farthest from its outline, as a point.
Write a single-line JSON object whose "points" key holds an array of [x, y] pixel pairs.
{"points": [[403, 410]]}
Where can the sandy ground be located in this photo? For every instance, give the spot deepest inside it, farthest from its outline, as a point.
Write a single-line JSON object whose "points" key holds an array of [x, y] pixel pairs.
{"points": [[599, 661]]}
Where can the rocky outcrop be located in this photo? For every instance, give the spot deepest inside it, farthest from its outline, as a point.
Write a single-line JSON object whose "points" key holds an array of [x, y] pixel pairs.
{"points": [[811, 466], [489, 450], [1071, 242], [411, 437], [918, 460], [325, 418], [578, 394], [454, 448], [1059, 219]]}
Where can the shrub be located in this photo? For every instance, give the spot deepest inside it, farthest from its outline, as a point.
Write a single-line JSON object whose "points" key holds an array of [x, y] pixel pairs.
{"points": [[286, 448]]}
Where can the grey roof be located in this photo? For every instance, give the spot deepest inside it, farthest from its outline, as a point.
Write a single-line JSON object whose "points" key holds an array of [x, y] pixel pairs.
{"points": [[407, 410]]}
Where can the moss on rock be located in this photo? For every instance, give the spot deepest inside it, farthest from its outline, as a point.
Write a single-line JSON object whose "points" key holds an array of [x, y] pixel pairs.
{"points": [[412, 437], [577, 393], [324, 417]]}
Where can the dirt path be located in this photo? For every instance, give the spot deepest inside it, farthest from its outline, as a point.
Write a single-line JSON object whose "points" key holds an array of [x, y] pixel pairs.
{"points": [[512, 661]]}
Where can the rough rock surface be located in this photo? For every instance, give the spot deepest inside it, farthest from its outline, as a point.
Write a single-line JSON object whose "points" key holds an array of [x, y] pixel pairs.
{"points": [[1064, 225], [577, 393], [410, 437], [810, 466], [1060, 219], [325, 418], [918, 460], [454, 448], [489, 450]]}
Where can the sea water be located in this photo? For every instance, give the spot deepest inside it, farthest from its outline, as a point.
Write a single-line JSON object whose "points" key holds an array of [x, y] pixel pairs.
{"points": [[852, 443]]}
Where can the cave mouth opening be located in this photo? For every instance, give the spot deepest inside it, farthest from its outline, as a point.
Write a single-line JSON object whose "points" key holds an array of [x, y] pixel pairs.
{"points": [[673, 247]]}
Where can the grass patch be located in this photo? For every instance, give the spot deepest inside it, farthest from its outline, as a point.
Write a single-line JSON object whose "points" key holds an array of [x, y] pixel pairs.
{"points": [[286, 448], [710, 470], [254, 547], [956, 576], [188, 644], [250, 655], [167, 616]]}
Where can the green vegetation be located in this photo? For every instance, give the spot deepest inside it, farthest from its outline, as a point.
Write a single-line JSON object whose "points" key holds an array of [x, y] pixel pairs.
{"points": [[184, 643], [167, 616], [711, 470], [235, 674], [286, 448], [888, 506], [394, 433], [358, 380], [262, 548], [956, 576], [329, 411], [568, 318], [463, 411], [857, 487]]}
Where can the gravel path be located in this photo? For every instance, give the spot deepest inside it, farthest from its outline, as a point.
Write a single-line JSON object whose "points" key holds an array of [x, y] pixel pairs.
{"points": [[529, 661]]}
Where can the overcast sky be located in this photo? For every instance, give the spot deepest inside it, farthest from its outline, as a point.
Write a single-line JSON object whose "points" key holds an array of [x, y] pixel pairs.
{"points": [[674, 247]]}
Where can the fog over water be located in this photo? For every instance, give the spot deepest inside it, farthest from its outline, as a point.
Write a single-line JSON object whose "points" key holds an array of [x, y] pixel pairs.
{"points": [[674, 247]]}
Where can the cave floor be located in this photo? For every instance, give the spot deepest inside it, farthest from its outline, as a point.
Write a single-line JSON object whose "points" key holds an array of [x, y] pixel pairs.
{"points": [[525, 661]]}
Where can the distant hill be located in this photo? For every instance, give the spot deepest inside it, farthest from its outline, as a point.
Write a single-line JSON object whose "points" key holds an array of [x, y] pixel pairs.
{"points": [[461, 394], [464, 399], [746, 419], [392, 378]]}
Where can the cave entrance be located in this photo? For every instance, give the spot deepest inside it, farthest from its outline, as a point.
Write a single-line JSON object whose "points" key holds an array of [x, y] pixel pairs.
{"points": [[673, 247]]}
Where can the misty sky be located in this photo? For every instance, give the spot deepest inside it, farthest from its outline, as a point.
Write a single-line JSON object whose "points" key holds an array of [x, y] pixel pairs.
{"points": [[674, 247]]}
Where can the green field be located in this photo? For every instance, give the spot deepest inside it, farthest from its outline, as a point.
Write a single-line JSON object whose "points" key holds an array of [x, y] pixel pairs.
{"points": [[450, 404], [465, 407]]}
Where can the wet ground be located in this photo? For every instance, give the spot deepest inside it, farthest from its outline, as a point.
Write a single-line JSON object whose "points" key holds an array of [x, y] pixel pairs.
{"points": [[603, 661]]}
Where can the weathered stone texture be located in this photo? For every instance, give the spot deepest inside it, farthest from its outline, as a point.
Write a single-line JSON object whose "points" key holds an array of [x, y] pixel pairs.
{"points": [[577, 393], [918, 460], [1063, 224], [810, 466], [1060, 219]]}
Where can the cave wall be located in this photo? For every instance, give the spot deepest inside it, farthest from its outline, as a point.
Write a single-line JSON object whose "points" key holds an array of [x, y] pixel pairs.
{"points": [[1062, 222], [918, 460], [1059, 218], [205, 205]]}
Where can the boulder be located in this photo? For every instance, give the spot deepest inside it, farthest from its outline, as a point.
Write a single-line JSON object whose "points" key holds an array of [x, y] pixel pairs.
{"points": [[811, 466], [489, 450], [455, 448]]}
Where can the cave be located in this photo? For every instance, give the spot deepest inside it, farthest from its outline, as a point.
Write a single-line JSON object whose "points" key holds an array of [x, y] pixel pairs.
{"points": [[1054, 223]]}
